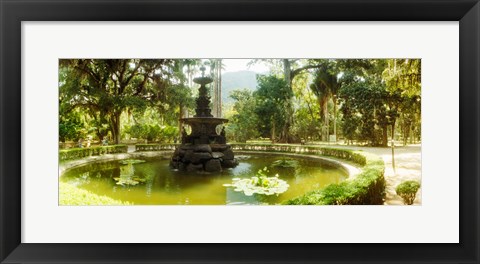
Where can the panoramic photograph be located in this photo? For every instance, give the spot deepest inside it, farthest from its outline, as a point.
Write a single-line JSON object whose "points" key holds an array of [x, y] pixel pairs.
{"points": [[222, 131]]}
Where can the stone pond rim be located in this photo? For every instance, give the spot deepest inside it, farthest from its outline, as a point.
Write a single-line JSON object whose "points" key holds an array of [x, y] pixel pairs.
{"points": [[204, 149]]}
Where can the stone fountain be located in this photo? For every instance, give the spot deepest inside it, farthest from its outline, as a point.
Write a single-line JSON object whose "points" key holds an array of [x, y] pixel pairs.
{"points": [[205, 148]]}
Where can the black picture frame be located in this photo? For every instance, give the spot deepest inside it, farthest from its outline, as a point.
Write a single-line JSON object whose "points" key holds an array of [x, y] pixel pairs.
{"points": [[13, 12]]}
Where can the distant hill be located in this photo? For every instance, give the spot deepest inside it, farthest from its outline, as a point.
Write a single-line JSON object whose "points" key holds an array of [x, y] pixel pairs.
{"points": [[237, 80]]}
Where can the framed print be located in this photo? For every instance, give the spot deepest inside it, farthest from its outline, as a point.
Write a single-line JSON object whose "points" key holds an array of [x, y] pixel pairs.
{"points": [[81, 78]]}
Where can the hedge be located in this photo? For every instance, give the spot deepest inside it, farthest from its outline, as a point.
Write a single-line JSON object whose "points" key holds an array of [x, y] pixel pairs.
{"points": [[154, 147], [78, 153], [346, 154], [368, 187]]}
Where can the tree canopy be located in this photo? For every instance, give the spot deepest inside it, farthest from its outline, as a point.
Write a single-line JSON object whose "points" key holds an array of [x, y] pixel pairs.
{"points": [[367, 101]]}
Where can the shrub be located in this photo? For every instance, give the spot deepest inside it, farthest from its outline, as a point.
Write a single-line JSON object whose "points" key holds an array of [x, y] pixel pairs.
{"points": [[153, 132], [367, 188], [154, 147], [78, 153], [408, 190]]}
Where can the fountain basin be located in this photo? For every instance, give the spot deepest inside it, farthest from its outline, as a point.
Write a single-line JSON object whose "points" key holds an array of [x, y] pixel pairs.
{"points": [[163, 186]]}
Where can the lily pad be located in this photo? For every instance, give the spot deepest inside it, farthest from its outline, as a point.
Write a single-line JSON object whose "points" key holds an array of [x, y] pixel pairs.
{"points": [[285, 163], [132, 181], [260, 184]]}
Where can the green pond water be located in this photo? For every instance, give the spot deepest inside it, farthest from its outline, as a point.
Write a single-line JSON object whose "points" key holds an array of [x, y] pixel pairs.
{"points": [[160, 185]]}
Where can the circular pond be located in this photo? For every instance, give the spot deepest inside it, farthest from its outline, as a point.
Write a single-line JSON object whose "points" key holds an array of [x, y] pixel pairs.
{"points": [[152, 182]]}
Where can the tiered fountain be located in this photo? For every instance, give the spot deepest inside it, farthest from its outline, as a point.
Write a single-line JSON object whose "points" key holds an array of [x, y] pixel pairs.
{"points": [[204, 149]]}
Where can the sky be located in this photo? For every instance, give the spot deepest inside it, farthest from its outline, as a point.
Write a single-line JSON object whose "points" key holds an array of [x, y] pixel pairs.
{"points": [[234, 65]]}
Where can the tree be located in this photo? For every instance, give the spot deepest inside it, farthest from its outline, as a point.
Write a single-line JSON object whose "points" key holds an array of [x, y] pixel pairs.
{"points": [[216, 67], [403, 77], [71, 126], [243, 123], [367, 110], [272, 95], [110, 86], [326, 85], [291, 68]]}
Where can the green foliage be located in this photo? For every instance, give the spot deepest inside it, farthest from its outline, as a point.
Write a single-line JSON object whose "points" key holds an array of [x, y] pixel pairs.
{"points": [[403, 75], [346, 154], [272, 98], [366, 188], [325, 86], [154, 147], [366, 111], [153, 132], [408, 191], [71, 195], [105, 88], [297, 99], [243, 123], [70, 127], [78, 153]]}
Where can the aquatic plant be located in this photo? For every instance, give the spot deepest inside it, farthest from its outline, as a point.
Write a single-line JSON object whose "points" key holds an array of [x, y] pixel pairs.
{"points": [[259, 184], [285, 163], [128, 181], [127, 174]]}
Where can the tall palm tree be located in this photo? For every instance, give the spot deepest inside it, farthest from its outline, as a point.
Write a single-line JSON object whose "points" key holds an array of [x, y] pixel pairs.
{"points": [[216, 67], [325, 86]]}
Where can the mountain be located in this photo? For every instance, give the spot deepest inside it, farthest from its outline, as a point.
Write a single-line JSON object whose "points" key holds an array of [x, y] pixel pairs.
{"points": [[237, 80]]}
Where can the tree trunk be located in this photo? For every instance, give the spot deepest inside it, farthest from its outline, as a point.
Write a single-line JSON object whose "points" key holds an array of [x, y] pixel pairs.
{"points": [[285, 134], [327, 125], [219, 88], [180, 124], [273, 132], [335, 117], [393, 146], [115, 127], [385, 136]]}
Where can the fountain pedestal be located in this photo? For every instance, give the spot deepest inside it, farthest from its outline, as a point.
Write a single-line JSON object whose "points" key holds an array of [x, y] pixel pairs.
{"points": [[203, 149]]}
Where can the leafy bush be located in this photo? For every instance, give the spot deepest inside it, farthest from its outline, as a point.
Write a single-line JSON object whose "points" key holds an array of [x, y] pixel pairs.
{"points": [[408, 190], [366, 188], [353, 156], [346, 154], [78, 153], [154, 147], [153, 132]]}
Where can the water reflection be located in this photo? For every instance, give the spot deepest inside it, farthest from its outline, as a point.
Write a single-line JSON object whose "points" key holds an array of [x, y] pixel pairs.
{"points": [[158, 184]]}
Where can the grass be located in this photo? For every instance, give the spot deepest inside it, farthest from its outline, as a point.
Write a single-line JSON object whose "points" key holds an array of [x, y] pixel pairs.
{"points": [[71, 195]]}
